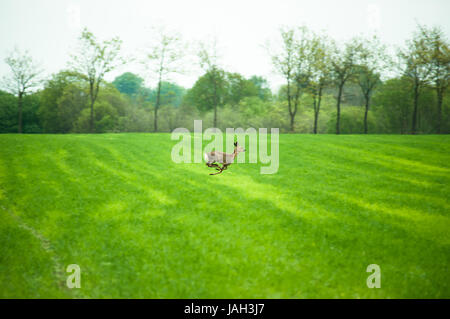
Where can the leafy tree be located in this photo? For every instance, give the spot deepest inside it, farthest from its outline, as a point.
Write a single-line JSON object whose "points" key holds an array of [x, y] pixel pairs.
{"points": [[24, 77], [393, 101], [343, 61], [213, 82], [8, 112], [170, 94], [295, 64], [372, 61], [284, 63], [135, 120], [438, 60], [352, 120], [416, 69], [320, 70], [128, 83], [304, 63], [31, 103], [262, 86], [252, 111], [93, 61], [49, 109], [209, 92], [111, 107], [238, 88], [226, 89], [69, 106]]}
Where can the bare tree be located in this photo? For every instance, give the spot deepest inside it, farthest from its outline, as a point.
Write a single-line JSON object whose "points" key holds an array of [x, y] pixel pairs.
{"points": [[92, 61], [25, 76], [163, 59]]}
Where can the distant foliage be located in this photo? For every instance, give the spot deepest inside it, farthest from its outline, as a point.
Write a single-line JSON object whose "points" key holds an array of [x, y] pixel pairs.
{"points": [[350, 88]]}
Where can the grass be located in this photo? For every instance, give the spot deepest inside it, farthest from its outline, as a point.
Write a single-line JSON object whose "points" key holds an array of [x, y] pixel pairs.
{"points": [[141, 226]]}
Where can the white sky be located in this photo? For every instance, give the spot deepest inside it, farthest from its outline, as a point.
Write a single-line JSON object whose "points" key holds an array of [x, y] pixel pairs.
{"points": [[49, 28]]}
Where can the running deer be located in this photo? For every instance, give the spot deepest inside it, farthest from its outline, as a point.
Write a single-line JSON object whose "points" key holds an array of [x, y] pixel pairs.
{"points": [[213, 158]]}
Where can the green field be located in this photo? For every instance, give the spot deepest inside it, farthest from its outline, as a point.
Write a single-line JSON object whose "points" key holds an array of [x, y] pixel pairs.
{"points": [[141, 226]]}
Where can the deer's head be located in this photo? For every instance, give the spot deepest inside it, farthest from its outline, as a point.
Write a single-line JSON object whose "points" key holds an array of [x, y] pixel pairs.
{"points": [[238, 148]]}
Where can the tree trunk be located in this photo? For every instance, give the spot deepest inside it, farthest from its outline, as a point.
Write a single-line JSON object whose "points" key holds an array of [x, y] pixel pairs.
{"points": [[91, 120], [19, 106], [158, 101], [366, 113], [292, 113], [292, 122], [290, 105], [317, 109], [439, 107], [316, 116], [338, 114], [215, 100], [155, 120], [416, 101]]}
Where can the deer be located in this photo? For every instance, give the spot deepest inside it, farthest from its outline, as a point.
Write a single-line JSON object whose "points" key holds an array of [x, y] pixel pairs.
{"points": [[226, 159]]}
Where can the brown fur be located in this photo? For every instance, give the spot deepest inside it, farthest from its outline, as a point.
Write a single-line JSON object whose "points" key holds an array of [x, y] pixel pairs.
{"points": [[226, 159]]}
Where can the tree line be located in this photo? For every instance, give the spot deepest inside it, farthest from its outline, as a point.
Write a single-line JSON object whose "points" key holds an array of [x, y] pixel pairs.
{"points": [[353, 87]]}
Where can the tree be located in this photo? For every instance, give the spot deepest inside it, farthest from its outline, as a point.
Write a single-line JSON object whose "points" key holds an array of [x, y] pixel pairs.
{"points": [[54, 88], [393, 101], [305, 52], [284, 62], [372, 61], [438, 60], [343, 61], [162, 60], [110, 107], [25, 76], [238, 88], [219, 90], [208, 92], [261, 84], [69, 106], [215, 76], [8, 112], [93, 61], [416, 68], [128, 83], [170, 94], [294, 63], [320, 62]]}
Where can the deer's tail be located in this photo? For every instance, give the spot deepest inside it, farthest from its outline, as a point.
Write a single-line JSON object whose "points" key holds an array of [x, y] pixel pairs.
{"points": [[205, 156]]}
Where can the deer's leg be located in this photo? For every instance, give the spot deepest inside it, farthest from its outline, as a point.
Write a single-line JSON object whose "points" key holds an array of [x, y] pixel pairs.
{"points": [[212, 165], [217, 166], [224, 167], [219, 171]]}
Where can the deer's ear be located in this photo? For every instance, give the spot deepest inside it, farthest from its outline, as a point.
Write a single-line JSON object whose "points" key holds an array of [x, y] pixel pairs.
{"points": [[235, 143]]}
